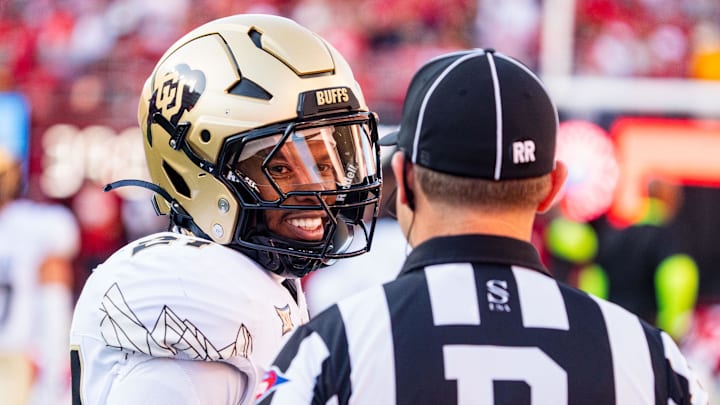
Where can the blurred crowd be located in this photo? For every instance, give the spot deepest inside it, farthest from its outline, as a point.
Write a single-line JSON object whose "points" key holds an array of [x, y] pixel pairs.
{"points": [[89, 58], [649, 38]]}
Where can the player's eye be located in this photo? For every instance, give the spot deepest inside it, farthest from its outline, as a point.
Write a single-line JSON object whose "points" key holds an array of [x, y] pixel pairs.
{"points": [[278, 170], [324, 168]]}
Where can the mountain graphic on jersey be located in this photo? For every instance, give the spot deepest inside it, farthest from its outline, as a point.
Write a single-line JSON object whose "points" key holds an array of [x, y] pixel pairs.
{"points": [[170, 337]]}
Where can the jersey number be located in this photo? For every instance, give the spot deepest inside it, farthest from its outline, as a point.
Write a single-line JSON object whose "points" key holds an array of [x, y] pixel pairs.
{"points": [[166, 240], [476, 367]]}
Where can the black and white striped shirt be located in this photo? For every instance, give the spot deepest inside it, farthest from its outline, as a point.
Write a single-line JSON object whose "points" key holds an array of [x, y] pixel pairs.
{"points": [[476, 319]]}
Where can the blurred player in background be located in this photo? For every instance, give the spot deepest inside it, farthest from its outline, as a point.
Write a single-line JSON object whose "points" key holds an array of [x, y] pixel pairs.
{"points": [[37, 245], [263, 154], [647, 271]]}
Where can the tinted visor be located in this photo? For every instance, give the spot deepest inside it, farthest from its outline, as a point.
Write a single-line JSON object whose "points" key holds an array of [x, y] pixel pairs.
{"points": [[311, 160]]}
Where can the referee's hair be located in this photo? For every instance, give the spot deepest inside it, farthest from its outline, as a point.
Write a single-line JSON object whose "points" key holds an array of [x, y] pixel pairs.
{"points": [[467, 191]]}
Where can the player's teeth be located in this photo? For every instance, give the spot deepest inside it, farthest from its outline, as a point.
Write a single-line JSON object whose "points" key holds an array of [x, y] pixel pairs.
{"points": [[306, 223]]}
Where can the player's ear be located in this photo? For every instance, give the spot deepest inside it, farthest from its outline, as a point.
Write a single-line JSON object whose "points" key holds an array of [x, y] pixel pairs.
{"points": [[557, 176]]}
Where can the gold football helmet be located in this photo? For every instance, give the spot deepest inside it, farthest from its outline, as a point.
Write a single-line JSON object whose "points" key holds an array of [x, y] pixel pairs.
{"points": [[257, 136]]}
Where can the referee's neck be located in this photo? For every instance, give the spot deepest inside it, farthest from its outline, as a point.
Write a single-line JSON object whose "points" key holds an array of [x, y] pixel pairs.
{"points": [[432, 220]]}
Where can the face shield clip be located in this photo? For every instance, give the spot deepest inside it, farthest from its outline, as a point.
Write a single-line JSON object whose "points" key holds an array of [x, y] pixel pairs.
{"points": [[177, 132], [181, 131]]}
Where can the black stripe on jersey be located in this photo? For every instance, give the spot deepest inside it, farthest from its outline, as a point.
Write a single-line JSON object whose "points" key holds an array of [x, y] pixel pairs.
{"points": [[668, 383], [583, 351], [418, 361], [659, 364], [75, 372], [335, 377]]}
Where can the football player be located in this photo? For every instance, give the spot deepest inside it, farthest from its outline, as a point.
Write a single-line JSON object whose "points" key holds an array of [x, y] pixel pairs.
{"points": [[38, 242], [263, 154]]}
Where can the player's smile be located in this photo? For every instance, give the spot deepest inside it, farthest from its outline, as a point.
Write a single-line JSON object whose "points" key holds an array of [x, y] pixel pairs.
{"points": [[308, 226]]}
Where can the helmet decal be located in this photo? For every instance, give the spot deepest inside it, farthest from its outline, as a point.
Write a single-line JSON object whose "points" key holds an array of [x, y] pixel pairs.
{"points": [[176, 92], [327, 100]]}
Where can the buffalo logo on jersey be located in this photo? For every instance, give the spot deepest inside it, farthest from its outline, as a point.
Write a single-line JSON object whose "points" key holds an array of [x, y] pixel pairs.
{"points": [[176, 91], [327, 100], [269, 383]]}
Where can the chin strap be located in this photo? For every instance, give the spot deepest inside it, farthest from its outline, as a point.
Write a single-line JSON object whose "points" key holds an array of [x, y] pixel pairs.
{"points": [[283, 264], [178, 215]]}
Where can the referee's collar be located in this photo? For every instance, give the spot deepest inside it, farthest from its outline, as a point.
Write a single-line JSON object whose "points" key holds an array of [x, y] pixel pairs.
{"points": [[474, 249]]}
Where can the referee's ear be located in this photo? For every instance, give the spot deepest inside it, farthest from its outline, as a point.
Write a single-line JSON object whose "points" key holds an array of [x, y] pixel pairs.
{"points": [[558, 176], [404, 180]]}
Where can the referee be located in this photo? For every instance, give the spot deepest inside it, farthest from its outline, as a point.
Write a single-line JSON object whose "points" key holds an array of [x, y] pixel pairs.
{"points": [[474, 316]]}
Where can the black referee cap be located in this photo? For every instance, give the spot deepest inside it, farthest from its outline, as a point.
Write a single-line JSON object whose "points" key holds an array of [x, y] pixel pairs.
{"points": [[478, 113]]}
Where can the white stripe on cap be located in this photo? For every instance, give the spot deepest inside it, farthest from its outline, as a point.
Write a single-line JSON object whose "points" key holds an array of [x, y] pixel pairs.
{"points": [[498, 118], [428, 94]]}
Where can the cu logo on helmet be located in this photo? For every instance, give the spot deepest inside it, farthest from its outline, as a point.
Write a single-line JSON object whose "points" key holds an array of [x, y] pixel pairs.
{"points": [[177, 91]]}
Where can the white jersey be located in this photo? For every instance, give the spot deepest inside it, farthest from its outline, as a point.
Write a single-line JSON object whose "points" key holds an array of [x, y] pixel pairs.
{"points": [[180, 297], [29, 233]]}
